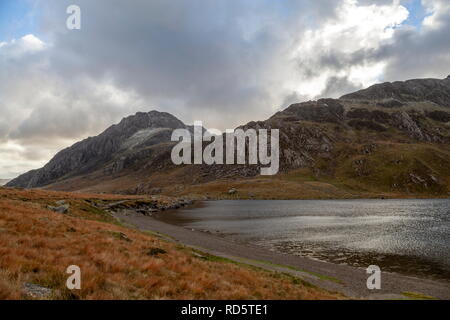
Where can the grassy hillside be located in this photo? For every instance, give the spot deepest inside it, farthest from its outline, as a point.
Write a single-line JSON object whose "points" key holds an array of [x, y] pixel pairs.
{"points": [[37, 245], [356, 170]]}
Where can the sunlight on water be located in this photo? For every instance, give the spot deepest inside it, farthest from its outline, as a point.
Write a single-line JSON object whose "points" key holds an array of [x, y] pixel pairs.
{"points": [[411, 236]]}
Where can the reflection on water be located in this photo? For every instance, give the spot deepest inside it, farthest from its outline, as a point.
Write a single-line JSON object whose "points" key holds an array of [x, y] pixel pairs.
{"points": [[409, 236]]}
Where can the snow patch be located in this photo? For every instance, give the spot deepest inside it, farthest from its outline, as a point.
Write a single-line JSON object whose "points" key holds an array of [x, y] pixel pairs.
{"points": [[141, 136]]}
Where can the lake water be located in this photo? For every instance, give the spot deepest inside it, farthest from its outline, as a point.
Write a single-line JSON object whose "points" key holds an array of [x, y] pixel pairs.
{"points": [[406, 236]]}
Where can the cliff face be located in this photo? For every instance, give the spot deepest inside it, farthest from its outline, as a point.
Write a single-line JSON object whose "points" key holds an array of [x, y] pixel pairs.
{"points": [[393, 136]]}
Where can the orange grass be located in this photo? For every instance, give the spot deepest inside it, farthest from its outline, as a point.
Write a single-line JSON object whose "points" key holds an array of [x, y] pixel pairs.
{"points": [[37, 245]]}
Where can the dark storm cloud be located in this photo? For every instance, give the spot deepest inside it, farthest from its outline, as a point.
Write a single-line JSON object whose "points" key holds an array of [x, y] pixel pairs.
{"points": [[183, 56], [334, 60], [199, 59], [416, 54], [337, 85]]}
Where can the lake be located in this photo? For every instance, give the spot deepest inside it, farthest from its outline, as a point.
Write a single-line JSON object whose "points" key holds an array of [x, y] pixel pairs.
{"points": [[406, 236]]}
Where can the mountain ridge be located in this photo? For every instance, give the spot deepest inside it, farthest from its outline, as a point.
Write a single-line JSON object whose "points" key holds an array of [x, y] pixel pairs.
{"points": [[315, 136], [434, 90]]}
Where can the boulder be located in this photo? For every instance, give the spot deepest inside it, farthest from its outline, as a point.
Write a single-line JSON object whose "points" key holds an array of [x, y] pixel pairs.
{"points": [[63, 209], [37, 291]]}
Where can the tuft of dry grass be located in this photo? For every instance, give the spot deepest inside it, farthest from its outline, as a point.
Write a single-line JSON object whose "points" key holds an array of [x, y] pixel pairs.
{"points": [[37, 246]]}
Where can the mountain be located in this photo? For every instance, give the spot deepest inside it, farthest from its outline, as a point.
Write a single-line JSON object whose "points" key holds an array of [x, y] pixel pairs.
{"points": [[109, 151], [4, 181], [391, 138]]}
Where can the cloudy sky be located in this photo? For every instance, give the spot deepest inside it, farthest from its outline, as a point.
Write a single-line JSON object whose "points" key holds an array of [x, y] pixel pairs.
{"points": [[224, 62]]}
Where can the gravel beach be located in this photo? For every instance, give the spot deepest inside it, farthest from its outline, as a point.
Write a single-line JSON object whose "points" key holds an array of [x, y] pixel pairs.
{"points": [[347, 280]]}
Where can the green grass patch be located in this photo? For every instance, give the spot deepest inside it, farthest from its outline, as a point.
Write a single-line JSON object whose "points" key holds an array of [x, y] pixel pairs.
{"points": [[250, 262], [315, 274], [417, 296], [159, 235], [277, 275]]}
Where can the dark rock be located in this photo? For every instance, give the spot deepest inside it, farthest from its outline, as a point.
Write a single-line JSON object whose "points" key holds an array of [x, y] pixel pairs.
{"points": [[155, 191], [369, 149], [440, 116], [364, 124], [156, 251], [362, 113], [324, 110], [390, 103], [37, 291]]}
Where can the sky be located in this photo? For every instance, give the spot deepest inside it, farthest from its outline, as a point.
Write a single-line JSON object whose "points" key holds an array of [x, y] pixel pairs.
{"points": [[223, 62]]}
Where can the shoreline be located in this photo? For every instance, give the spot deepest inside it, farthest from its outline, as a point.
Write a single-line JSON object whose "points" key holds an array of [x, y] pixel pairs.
{"points": [[225, 197], [345, 279]]}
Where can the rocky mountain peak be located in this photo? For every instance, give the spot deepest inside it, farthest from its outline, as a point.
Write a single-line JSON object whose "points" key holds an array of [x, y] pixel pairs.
{"points": [[91, 154], [129, 126], [145, 120]]}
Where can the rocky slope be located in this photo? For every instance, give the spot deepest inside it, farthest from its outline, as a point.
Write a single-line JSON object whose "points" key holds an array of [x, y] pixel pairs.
{"points": [[108, 151], [396, 93], [391, 137]]}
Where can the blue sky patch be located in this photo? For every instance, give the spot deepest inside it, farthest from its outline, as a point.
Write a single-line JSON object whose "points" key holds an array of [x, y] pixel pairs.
{"points": [[417, 12], [17, 18]]}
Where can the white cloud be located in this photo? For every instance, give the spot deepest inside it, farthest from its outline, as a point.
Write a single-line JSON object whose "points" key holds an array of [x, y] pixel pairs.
{"points": [[32, 43], [26, 44], [43, 113], [15, 159], [437, 10], [332, 50]]}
